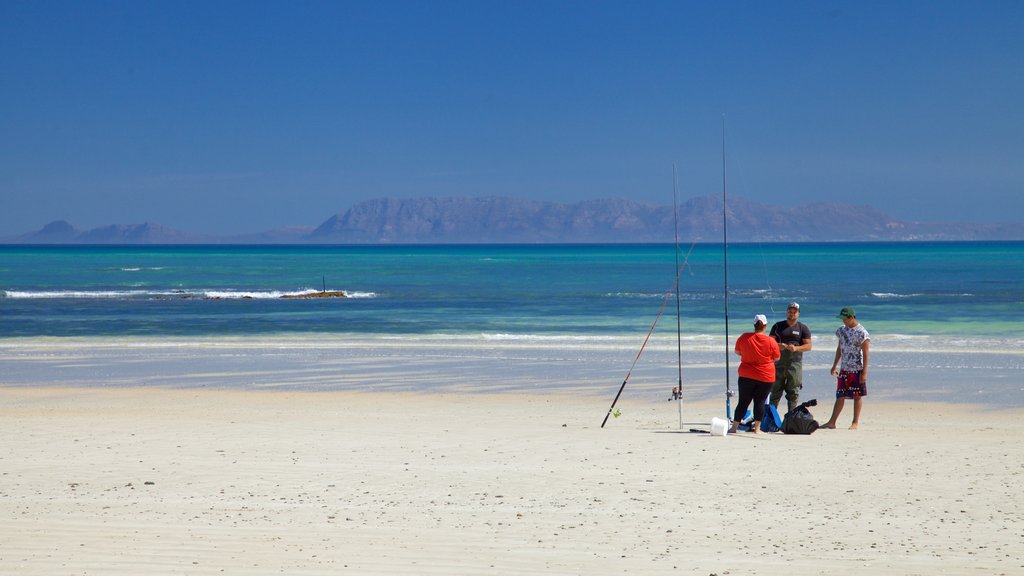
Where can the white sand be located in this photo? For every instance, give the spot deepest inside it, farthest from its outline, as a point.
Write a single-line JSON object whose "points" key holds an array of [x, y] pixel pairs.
{"points": [[153, 481]]}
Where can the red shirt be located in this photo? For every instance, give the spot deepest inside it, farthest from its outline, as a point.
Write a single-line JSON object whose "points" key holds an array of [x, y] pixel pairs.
{"points": [[758, 354]]}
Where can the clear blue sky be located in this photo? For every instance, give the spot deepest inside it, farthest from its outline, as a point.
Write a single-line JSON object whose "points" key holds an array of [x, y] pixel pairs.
{"points": [[231, 117]]}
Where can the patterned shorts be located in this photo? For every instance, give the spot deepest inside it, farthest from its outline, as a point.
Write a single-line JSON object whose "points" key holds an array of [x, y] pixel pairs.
{"points": [[848, 385]]}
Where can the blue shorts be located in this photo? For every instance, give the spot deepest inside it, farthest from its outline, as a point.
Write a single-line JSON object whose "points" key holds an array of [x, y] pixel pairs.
{"points": [[848, 385]]}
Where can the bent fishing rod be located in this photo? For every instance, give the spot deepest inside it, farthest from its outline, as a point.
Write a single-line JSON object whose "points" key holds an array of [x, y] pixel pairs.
{"points": [[664, 303]]}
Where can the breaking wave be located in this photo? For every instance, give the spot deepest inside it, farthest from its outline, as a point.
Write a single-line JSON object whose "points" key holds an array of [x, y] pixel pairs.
{"points": [[202, 294]]}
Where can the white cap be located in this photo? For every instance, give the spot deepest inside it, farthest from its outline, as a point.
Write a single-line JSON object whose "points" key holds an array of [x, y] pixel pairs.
{"points": [[761, 318]]}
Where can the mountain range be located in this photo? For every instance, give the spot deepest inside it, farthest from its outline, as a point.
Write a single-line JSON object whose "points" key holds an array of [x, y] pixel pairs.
{"points": [[465, 220]]}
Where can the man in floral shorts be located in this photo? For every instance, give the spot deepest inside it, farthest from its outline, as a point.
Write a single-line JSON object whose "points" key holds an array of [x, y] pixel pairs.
{"points": [[852, 360]]}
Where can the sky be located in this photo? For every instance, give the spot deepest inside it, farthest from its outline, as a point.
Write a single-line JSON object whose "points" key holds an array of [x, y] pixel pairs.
{"points": [[238, 117]]}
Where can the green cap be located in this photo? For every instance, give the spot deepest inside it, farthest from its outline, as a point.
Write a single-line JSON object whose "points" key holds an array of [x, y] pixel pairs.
{"points": [[847, 313]]}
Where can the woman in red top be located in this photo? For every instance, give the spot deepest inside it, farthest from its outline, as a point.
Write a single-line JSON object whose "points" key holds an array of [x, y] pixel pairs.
{"points": [[758, 353]]}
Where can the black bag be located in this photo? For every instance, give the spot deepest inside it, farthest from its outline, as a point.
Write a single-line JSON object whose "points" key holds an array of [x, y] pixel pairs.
{"points": [[799, 420]]}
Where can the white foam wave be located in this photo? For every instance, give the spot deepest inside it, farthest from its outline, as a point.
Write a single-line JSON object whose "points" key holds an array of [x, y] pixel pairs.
{"points": [[633, 295], [270, 294], [361, 294], [86, 294], [886, 295], [164, 294], [547, 338], [249, 294]]}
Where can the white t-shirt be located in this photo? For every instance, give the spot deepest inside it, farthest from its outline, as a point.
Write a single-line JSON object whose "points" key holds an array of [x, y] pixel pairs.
{"points": [[850, 341]]}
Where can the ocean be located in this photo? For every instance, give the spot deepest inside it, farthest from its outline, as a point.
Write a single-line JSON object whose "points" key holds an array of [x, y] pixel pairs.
{"points": [[943, 309]]}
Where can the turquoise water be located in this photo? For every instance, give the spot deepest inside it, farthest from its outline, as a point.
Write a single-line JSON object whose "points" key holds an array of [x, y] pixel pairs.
{"points": [[945, 318], [947, 292]]}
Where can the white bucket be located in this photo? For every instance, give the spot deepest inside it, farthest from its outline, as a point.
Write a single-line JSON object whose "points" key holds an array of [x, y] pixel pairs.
{"points": [[719, 426]]}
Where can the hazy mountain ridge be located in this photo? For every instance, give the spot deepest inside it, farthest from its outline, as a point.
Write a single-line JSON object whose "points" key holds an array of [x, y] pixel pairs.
{"points": [[494, 219], [512, 220], [62, 232]]}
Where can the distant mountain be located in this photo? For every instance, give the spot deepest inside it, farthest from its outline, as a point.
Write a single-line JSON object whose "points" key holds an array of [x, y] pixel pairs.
{"points": [[57, 232], [465, 220], [501, 220], [61, 232], [494, 219]]}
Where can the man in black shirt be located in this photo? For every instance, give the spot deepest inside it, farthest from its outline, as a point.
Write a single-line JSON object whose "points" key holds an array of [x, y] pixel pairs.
{"points": [[794, 338]]}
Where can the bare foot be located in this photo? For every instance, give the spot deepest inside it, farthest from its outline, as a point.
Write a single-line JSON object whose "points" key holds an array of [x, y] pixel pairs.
{"points": [[828, 426], [852, 426]]}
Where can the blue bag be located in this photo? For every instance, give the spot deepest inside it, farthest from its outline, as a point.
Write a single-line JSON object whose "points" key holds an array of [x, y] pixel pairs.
{"points": [[771, 422]]}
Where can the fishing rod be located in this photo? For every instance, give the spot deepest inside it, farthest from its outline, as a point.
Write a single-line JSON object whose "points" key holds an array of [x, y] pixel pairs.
{"points": [[679, 325], [767, 279], [725, 257], [664, 303]]}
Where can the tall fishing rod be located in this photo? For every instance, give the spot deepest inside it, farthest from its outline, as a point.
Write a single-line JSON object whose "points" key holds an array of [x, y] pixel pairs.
{"points": [[664, 303], [767, 279], [725, 256], [679, 324]]}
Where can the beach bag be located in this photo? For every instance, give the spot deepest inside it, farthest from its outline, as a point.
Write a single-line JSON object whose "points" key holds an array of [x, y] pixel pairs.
{"points": [[799, 420], [771, 422]]}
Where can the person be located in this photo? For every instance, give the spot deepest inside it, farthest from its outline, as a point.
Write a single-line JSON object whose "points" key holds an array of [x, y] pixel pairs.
{"points": [[676, 394], [852, 360], [794, 338], [758, 354]]}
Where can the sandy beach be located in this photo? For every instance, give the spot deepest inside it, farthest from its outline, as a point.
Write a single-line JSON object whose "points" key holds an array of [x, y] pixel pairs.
{"points": [[157, 481]]}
